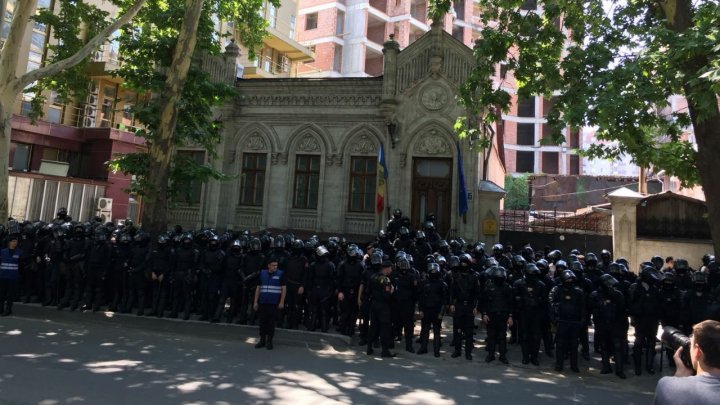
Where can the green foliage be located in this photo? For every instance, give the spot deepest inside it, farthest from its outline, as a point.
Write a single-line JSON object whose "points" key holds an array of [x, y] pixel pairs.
{"points": [[517, 197], [617, 72], [146, 53], [71, 26]]}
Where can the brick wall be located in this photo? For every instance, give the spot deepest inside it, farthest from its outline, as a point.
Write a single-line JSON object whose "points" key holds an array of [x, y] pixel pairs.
{"points": [[327, 19]]}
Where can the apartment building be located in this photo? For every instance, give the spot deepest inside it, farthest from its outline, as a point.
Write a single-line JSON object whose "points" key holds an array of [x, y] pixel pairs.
{"points": [[59, 161], [280, 54], [347, 38]]}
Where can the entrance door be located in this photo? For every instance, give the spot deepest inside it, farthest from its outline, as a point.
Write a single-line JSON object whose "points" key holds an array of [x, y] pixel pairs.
{"points": [[432, 192]]}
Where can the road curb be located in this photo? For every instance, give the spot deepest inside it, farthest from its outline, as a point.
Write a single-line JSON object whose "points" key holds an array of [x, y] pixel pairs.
{"points": [[191, 328]]}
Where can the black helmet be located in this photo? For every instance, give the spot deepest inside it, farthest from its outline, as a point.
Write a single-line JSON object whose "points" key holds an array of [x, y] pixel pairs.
{"points": [[567, 277], [454, 261], [614, 269], [466, 259], [528, 253], [605, 255], [658, 262], [519, 262], [649, 275], [279, 242], [497, 249], [429, 226], [681, 266], [419, 235], [554, 256], [577, 268], [455, 244], [381, 235], [297, 244], [321, 251], [354, 253], [397, 214], [62, 213], [404, 231], [531, 270], [403, 263], [543, 266], [433, 270], [214, 242], [623, 261], [498, 273], [100, 235], [668, 278], [479, 249], [560, 265], [591, 259], [255, 245], [162, 240], [376, 258], [141, 237], [707, 258], [608, 281]]}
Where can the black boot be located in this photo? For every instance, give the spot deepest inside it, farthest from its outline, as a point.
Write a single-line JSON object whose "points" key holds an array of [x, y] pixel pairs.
{"points": [[269, 344], [261, 343]]}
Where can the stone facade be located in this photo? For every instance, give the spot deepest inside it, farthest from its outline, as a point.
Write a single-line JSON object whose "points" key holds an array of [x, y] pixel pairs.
{"points": [[339, 119]]}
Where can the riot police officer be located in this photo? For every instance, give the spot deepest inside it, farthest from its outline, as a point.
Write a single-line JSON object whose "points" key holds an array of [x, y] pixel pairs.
{"points": [[609, 313], [644, 308], [433, 296], [406, 281], [184, 277], [97, 264], [137, 272], [380, 291], [464, 299], [321, 286], [497, 298], [531, 296], [349, 277], [162, 260], [295, 276], [567, 303]]}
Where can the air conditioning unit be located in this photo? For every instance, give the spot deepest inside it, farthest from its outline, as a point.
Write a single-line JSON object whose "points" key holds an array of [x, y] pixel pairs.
{"points": [[104, 204], [89, 122], [90, 111], [92, 99], [105, 216]]}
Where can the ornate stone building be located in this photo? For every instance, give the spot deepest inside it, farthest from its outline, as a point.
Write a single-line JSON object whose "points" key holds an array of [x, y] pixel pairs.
{"points": [[305, 150]]}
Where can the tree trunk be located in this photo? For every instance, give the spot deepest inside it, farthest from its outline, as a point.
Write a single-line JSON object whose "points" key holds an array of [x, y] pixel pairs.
{"points": [[5, 131], [679, 14], [161, 150]]}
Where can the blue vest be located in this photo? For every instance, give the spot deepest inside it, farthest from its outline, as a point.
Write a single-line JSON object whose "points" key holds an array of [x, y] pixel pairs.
{"points": [[270, 288], [9, 269]]}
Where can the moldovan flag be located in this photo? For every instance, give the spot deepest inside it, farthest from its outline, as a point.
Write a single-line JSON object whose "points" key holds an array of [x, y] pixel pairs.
{"points": [[381, 185]]}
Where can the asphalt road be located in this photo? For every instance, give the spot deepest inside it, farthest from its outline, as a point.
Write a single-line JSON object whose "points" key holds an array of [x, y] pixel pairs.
{"points": [[117, 361]]}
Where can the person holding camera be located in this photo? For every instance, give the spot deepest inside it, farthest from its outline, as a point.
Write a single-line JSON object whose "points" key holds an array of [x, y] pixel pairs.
{"points": [[704, 387]]}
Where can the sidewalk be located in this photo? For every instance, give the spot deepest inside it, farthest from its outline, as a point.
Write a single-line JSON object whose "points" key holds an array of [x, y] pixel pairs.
{"points": [[190, 328]]}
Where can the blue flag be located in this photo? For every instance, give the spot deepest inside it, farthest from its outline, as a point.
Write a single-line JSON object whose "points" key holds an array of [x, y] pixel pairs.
{"points": [[381, 182], [462, 191]]}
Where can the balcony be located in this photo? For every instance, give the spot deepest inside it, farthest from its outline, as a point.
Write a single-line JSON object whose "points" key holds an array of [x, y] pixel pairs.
{"points": [[293, 50]]}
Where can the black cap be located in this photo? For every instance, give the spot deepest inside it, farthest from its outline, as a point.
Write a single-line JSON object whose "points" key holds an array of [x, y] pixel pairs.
{"points": [[272, 260]]}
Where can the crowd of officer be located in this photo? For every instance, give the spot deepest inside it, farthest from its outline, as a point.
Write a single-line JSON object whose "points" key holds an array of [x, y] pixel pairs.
{"points": [[542, 299]]}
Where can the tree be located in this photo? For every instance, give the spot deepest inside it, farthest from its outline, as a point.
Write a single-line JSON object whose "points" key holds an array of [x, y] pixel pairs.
{"points": [[159, 54], [517, 197], [11, 85], [622, 63]]}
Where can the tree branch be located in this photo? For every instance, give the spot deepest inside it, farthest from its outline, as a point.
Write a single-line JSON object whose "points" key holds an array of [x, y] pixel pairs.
{"points": [[11, 49], [91, 46]]}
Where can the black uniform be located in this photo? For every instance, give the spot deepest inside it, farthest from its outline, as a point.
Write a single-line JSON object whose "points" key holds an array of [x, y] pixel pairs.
{"points": [[380, 291], [295, 276], [531, 297], [320, 285], [211, 270], [97, 266], [433, 296], [609, 316], [184, 278], [230, 284], [162, 261], [567, 304], [497, 306], [75, 252], [644, 308], [254, 262], [406, 283], [137, 276], [349, 276], [464, 296]]}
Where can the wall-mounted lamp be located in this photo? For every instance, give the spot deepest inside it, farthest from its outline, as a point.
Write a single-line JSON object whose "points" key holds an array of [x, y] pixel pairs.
{"points": [[392, 132]]}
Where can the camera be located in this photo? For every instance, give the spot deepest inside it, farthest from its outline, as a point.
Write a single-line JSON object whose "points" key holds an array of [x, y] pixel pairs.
{"points": [[674, 339]]}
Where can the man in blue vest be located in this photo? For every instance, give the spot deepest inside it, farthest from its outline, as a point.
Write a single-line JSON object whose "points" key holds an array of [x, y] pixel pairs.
{"points": [[9, 274], [269, 299]]}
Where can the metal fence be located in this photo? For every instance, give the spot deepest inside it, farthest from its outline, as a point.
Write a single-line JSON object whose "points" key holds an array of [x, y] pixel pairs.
{"points": [[593, 222]]}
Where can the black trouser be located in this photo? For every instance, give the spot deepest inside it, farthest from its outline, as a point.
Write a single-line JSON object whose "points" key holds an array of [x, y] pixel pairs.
{"points": [[182, 294], [8, 293], [209, 285], [28, 280], [380, 325], [431, 318], [247, 313], [585, 338], [497, 333], [319, 310], [160, 294], [612, 342], [567, 340], [364, 316], [137, 282], [349, 312], [293, 305], [531, 329], [229, 289], [404, 317], [117, 281], [267, 317], [463, 326], [74, 278], [546, 333], [94, 287], [645, 331]]}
